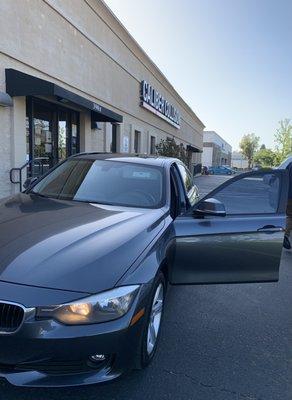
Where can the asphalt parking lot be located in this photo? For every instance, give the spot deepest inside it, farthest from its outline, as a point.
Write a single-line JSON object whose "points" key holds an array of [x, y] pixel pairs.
{"points": [[221, 342], [206, 183]]}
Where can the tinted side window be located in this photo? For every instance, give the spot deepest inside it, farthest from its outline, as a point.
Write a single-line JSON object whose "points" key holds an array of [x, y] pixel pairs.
{"points": [[186, 177], [188, 182], [257, 194]]}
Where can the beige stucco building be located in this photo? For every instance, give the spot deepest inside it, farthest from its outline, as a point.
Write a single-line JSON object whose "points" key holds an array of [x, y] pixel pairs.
{"points": [[239, 161], [216, 151], [78, 81]]}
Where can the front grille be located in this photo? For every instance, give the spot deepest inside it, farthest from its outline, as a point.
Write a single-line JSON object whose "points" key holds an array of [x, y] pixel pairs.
{"points": [[11, 317], [57, 367]]}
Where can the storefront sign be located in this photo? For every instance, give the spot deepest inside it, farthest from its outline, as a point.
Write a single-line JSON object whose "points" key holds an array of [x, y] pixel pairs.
{"points": [[96, 107], [156, 103]]}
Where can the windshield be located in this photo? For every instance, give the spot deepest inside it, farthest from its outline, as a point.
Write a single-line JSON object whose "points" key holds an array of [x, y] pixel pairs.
{"points": [[105, 182]]}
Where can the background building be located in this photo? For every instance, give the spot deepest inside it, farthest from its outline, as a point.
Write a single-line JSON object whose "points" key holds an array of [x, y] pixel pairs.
{"points": [[78, 81], [238, 161], [216, 151]]}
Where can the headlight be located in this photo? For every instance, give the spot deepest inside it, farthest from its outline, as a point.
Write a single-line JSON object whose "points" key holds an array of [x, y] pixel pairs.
{"points": [[102, 307]]}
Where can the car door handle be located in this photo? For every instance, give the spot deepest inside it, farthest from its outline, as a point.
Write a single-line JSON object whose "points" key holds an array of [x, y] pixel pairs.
{"points": [[271, 229]]}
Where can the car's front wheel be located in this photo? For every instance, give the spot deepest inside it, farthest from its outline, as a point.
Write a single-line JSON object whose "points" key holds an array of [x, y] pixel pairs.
{"points": [[154, 315]]}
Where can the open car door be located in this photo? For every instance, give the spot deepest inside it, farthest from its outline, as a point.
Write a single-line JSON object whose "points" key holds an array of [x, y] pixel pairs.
{"points": [[233, 235]]}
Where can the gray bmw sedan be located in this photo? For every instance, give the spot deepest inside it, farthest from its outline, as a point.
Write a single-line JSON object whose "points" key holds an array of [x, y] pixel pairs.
{"points": [[88, 251]]}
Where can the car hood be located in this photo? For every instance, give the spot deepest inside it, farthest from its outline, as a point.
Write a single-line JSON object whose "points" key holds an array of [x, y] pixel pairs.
{"points": [[71, 245]]}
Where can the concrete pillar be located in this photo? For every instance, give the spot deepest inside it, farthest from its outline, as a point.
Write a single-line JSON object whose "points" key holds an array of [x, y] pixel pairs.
{"points": [[119, 138], [5, 150], [18, 138], [131, 138], [104, 137], [145, 142], [97, 139], [108, 136], [85, 131]]}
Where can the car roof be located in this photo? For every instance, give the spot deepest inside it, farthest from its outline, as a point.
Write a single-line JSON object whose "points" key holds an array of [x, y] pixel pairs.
{"points": [[131, 158], [286, 163]]}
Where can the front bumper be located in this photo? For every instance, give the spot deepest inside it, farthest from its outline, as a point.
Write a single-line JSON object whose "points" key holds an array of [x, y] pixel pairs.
{"points": [[46, 353]]}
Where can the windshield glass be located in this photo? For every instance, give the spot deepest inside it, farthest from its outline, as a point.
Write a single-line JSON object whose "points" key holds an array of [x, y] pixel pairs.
{"points": [[105, 182]]}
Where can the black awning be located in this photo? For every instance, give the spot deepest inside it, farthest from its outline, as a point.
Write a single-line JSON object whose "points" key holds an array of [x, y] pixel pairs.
{"points": [[194, 149], [20, 84]]}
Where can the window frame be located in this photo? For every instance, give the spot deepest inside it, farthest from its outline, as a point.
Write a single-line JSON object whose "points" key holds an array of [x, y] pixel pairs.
{"points": [[187, 194], [176, 201], [184, 202]]}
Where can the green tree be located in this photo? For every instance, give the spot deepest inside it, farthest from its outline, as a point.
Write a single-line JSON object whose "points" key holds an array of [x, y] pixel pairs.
{"points": [[283, 139], [248, 147], [169, 148], [265, 157]]}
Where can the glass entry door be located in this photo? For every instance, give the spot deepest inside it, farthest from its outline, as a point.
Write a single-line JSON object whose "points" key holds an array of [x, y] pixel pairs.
{"points": [[52, 135], [63, 150], [43, 157], [68, 133]]}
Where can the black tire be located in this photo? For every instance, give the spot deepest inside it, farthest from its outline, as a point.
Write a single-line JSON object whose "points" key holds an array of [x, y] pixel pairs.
{"points": [[146, 358]]}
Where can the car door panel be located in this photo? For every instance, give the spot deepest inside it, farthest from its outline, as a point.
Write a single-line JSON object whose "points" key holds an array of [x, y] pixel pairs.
{"points": [[221, 253], [231, 249]]}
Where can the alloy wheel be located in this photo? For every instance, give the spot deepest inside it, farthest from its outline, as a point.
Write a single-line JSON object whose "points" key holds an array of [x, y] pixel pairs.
{"points": [[155, 318]]}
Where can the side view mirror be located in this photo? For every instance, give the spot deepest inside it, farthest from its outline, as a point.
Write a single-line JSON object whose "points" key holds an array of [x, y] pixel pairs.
{"points": [[210, 207], [29, 182]]}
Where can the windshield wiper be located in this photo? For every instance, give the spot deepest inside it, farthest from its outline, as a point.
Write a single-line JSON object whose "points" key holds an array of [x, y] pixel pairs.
{"points": [[39, 194]]}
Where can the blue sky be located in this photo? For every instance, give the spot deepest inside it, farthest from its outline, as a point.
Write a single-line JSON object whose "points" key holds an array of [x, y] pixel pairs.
{"points": [[231, 60]]}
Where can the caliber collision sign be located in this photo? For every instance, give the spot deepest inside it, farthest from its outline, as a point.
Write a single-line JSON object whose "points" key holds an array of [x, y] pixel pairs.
{"points": [[156, 103]]}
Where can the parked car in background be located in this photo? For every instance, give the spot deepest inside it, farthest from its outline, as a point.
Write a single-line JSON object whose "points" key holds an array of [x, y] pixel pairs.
{"points": [[256, 167], [88, 250], [205, 170], [221, 170]]}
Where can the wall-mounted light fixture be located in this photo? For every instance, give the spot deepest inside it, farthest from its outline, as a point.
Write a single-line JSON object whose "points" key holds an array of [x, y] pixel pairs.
{"points": [[96, 125], [5, 100], [62, 100]]}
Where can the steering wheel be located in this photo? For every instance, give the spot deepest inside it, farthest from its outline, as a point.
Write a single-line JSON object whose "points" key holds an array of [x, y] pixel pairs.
{"points": [[139, 195]]}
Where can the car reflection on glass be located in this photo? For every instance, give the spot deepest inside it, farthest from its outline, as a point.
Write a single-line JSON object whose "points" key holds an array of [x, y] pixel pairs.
{"points": [[221, 170]]}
